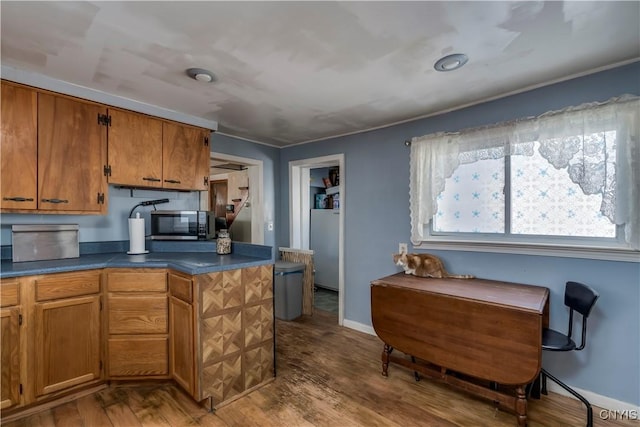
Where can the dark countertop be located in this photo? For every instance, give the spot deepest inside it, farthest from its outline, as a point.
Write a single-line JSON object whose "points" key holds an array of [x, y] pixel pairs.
{"points": [[196, 262]]}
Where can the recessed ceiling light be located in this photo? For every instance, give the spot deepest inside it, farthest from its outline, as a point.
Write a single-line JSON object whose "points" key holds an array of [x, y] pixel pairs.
{"points": [[451, 62], [201, 75]]}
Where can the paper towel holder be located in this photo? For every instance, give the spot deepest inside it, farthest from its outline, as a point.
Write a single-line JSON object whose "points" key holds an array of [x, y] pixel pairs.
{"points": [[147, 203]]}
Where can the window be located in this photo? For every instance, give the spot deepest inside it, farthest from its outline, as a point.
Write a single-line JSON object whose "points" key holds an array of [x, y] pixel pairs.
{"points": [[564, 179]]}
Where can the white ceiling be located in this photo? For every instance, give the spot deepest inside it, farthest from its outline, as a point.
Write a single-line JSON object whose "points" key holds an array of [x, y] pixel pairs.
{"points": [[292, 72]]}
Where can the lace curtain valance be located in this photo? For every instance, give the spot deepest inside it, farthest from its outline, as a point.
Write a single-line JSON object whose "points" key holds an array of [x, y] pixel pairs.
{"points": [[597, 144]]}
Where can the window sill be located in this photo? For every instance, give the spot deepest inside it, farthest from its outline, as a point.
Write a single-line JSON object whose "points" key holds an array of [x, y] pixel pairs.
{"points": [[602, 253]]}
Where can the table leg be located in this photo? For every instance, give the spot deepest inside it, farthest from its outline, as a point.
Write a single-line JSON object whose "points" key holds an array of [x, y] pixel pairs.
{"points": [[385, 359], [521, 406]]}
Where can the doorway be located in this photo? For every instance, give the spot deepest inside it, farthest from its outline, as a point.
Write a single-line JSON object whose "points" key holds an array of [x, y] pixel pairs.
{"points": [[300, 207], [236, 194]]}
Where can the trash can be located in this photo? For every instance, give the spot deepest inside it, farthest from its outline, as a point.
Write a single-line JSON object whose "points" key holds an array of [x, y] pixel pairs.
{"points": [[287, 290]]}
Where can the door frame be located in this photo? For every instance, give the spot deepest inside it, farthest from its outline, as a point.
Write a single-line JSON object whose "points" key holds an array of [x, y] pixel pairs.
{"points": [[299, 206], [256, 192]]}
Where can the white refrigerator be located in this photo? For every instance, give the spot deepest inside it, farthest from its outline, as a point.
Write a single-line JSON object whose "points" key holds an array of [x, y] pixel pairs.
{"points": [[323, 240]]}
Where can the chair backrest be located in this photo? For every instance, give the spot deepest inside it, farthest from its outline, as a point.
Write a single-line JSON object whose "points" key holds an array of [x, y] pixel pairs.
{"points": [[581, 298]]}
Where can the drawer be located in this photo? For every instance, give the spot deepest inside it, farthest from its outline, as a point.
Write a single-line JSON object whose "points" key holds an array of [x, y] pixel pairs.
{"points": [[181, 287], [67, 285], [133, 314], [137, 281], [135, 357], [9, 292]]}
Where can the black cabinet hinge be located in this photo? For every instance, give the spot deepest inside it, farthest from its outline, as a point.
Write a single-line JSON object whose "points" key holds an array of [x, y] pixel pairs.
{"points": [[104, 119], [20, 388], [19, 319], [101, 198], [206, 141], [107, 170], [206, 180]]}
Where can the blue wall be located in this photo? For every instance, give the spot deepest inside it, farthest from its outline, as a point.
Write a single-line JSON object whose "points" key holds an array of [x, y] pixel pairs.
{"points": [[377, 219]]}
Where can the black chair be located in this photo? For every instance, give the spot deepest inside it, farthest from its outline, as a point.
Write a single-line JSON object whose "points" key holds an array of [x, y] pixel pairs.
{"points": [[580, 298]]}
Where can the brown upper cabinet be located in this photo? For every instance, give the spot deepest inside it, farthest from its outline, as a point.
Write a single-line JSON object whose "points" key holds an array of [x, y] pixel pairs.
{"points": [[53, 152], [185, 157], [72, 151], [59, 153], [19, 148], [149, 152], [135, 149]]}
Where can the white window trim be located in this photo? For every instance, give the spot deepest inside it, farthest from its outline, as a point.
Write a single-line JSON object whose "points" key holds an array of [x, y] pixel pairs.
{"points": [[527, 248]]}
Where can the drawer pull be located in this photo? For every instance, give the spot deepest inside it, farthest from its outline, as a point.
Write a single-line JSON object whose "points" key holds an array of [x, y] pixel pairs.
{"points": [[18, 199], [172, 181], [148, 178], [55, 200]]}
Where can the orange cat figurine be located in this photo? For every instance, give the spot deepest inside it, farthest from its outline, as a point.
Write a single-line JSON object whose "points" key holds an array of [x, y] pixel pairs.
{"points": [[425, 265]]}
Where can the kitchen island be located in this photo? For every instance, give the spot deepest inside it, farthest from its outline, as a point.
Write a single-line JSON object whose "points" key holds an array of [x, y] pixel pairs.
{"points": [[180, 312]]}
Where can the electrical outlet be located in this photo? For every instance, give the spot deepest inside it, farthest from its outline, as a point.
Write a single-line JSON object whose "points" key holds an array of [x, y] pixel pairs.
{"points": [[270, 226], [402, 247]]}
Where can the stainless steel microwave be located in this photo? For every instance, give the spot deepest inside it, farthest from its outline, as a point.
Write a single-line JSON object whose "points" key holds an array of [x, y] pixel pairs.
{"points": [[182, 225]]}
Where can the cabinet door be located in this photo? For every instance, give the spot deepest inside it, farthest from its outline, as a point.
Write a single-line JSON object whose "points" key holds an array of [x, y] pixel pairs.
{"points": [[181, 350], [67, 343], [71, 155], [185, 157], [18, 148], [135, 149], [10, 352]]}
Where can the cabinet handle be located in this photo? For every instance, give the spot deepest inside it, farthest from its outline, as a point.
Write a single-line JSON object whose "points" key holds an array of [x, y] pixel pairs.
{"points": [[172, 181], [55, 200], [148, 178], [18, 199]]}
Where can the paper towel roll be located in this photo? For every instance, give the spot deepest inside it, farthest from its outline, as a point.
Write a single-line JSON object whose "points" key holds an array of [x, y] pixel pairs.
{"points": [[136, 235]]}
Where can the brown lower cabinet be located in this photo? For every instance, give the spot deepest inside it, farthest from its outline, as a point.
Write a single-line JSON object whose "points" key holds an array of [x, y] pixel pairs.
{"points": [[66, 331], [212, 333], [51, 336], [137, 323], [10, 335]]}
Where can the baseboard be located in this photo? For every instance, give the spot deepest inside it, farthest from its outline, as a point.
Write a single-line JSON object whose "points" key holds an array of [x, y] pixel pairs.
{"points": [[360, 327], [599, 400]]}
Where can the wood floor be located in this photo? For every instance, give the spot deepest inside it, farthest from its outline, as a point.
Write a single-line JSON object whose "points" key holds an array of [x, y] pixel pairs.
{"points": [[326, 376]]}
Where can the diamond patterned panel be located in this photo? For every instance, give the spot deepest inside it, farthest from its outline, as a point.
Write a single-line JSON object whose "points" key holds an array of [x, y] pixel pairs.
{"points": [[223, 380], [221, 335], [258, 365], [236, 330], [258, 283], [258, 320], [222, 290]]}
